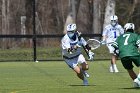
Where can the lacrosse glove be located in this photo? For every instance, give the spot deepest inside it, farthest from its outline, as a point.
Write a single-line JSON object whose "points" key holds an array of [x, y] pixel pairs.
{"points": [[91, 55]]}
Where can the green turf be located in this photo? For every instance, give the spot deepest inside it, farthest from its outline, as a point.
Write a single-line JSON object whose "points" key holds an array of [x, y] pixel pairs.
{"points": [[56, 77]]}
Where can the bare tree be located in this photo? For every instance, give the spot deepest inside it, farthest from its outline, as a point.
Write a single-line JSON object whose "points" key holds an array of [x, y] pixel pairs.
{"points": [[5, 20], [54, 15], [110, 10], [97, 17], [29, 11], [28, 23], [71, 18], [131, 11]]}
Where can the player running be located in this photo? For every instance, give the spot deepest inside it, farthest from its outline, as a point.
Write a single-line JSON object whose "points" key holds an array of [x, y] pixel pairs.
{"points": [[128, 45], [110, 34], [72, 44]]}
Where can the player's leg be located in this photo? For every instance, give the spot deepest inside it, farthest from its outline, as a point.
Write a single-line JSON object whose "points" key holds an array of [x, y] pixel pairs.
{"points": [[136, 81], [113, 67], [73, 64], [84, 65], [79, 73], [136, 60], [127, 64], [113, 63], [132, 74]]}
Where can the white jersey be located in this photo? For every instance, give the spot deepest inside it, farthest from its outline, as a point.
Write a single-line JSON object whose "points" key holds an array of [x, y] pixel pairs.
{"points": [[112, 33], [69, 43]]}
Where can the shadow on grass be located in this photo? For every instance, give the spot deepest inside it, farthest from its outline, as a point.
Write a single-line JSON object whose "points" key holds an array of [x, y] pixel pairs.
{"points": [[81, 85], [131, 88]]}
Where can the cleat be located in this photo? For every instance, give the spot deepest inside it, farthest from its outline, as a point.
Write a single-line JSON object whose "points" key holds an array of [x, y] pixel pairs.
{"points": [[116, 69], [111, 69], [136, 83], [86, 74]]}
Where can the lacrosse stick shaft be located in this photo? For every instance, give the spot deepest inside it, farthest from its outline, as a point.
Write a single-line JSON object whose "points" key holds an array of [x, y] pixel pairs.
{"points": [[86, 51], [79, 37]]}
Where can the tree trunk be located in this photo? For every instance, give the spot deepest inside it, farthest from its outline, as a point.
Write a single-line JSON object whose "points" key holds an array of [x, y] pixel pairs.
{"points": [[29, 14], [29, 19], [4, 20], [71, 18], [109, 11], [134, 3], [3, 16], [97, 17]]}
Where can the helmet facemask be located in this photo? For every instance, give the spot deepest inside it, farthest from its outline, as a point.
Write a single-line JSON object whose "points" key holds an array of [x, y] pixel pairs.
{"points": [[70, 34], [114, 20]]}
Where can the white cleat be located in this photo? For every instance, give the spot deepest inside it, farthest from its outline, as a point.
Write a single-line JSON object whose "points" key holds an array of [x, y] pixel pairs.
{"points": [[113, 69], [136, 83], [85, 82], [116, 70], [86, 74]]}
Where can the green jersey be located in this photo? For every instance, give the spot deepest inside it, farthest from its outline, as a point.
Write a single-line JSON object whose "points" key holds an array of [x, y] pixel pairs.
{"points": [[128, 44]]}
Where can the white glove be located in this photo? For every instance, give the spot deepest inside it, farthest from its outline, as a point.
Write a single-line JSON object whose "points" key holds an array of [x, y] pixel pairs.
{"points": [[91, 55], [79, 33], [139, 46]]}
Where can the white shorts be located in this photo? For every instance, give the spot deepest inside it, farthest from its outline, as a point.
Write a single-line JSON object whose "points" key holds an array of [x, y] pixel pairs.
{"points": [[72, 63], [110, 48]]}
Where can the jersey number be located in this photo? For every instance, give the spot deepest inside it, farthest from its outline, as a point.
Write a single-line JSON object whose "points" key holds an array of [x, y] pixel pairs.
{"points": [[115, 35], [126, 39]]}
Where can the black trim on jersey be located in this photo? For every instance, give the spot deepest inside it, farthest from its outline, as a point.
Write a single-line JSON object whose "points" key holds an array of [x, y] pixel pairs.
{"points": [[70, 57]]}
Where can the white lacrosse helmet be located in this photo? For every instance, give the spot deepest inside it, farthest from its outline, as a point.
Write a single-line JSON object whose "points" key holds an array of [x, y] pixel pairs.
{"points": [[71, 27], [129, 26], [114, 20]]}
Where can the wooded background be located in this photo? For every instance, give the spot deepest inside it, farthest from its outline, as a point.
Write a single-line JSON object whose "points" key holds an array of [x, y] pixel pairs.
{"points": [[52, 16]]}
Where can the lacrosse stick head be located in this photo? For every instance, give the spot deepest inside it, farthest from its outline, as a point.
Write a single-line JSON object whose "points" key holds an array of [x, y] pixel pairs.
{"points": [[93, 43]]}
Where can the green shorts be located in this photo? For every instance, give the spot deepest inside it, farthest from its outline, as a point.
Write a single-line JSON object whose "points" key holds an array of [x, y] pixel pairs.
{"points": [[129, 60]]}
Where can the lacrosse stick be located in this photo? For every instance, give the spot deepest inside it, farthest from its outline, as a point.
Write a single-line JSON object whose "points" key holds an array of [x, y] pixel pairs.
{"points": [[94, 43]]}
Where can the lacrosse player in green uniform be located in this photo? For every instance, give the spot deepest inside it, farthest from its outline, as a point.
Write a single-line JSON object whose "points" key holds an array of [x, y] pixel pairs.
{"points": [[128, 45]]}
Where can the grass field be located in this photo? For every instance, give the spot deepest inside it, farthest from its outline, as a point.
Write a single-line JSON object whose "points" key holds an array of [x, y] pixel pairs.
{"points": [[56, 77]]}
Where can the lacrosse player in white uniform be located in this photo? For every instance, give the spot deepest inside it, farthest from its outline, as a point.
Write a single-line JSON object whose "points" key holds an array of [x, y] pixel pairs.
{"points": [[110, 34], [72, 44]]}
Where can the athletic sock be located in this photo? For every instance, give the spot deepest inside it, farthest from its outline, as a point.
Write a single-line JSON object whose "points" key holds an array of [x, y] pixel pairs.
{"points": [[114, 65], [138, 77]]}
